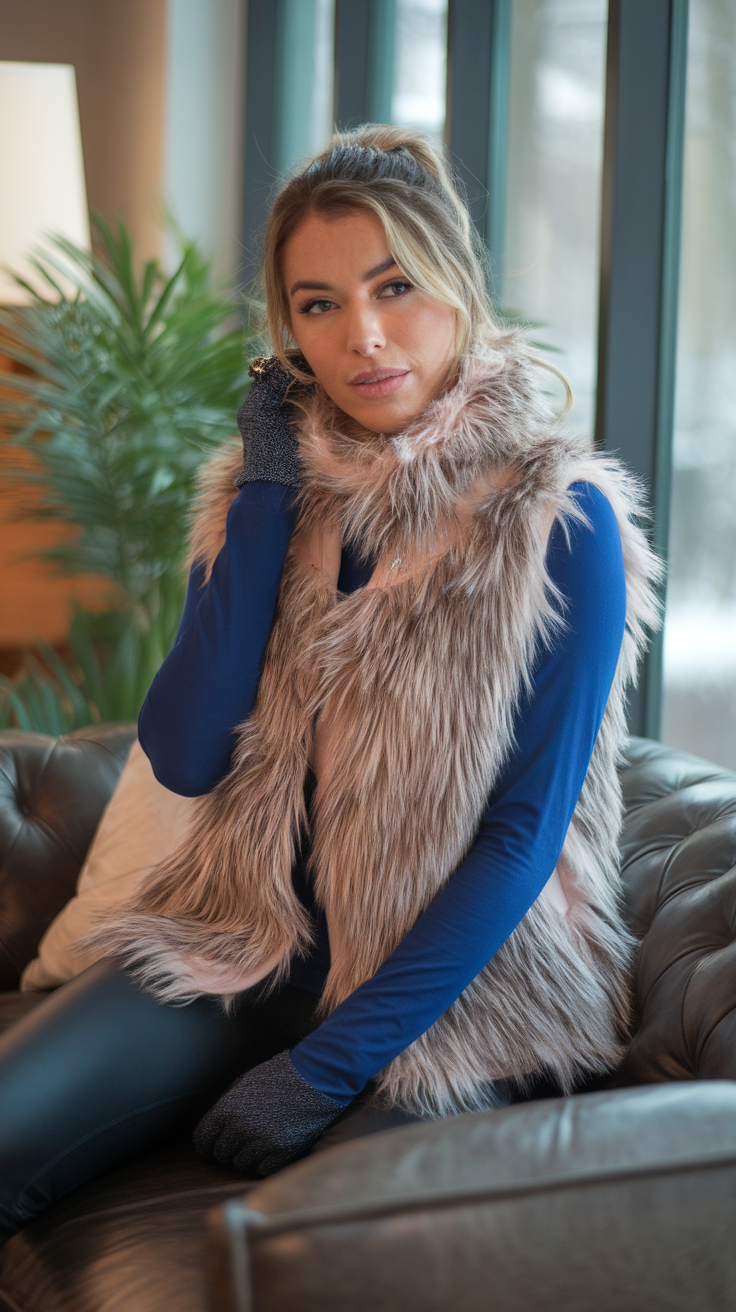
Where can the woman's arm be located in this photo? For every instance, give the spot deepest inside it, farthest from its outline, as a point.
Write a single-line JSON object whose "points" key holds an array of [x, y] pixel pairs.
{"points": [[208, 683], [521, 834]]}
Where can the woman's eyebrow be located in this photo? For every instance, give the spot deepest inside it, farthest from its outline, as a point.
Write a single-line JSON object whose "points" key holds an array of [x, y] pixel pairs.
{"points": [[308, 286], [311, 287], [380, 268]]}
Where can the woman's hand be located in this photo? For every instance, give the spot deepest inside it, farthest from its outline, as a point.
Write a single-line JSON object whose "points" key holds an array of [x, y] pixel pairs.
{"points": [[270, 453], [270, 1117]]}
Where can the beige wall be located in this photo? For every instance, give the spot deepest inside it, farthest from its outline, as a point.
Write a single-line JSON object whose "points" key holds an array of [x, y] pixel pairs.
{"points": [[117, 48]]}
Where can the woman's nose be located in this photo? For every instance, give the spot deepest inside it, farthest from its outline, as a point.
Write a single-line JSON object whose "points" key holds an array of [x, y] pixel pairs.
{"points": [[365, 332]]}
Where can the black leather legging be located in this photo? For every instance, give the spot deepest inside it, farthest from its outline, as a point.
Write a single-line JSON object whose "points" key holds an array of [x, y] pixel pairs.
{"points": [[99, 1072]]}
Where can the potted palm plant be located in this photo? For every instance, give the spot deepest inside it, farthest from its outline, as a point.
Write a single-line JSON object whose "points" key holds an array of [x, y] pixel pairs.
{"points": [[123, 388]]}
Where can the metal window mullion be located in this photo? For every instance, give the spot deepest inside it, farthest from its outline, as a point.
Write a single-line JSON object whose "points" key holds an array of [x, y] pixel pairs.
{"points": [[478, 57], [296, 30], [381, 60], [365, 41], [671, 258], [640, 243], [279, 104], [497, 143]]}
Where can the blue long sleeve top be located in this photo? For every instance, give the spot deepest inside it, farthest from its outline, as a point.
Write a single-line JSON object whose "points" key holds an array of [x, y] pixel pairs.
{"points": [[208, 685]]}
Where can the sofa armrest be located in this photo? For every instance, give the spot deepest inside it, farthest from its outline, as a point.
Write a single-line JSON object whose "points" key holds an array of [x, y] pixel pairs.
{"points": [[623, 1199], [52, 794]]}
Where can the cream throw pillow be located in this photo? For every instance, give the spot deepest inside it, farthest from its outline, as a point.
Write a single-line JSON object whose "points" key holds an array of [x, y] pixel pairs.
{"points": [[141, 824]]}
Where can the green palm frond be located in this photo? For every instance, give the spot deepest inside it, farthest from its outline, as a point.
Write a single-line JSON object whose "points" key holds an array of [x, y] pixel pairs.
{"points": [[111, 663], [126, 385], [136, 377]]}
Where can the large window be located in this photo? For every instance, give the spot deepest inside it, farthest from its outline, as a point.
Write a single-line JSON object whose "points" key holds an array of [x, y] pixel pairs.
{"points": [[420, 65], [700, 634], [525, 127], [554, 159]]}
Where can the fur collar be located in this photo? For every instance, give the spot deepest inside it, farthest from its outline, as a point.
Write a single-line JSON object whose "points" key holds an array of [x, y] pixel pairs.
{"points": [[389, 492]]}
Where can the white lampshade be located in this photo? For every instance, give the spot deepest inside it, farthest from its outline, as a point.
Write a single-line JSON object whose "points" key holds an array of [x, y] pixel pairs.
{"points": [[41, 169]]}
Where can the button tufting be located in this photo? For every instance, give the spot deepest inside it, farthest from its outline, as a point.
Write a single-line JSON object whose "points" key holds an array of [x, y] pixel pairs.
{"points": [[58, 788]]}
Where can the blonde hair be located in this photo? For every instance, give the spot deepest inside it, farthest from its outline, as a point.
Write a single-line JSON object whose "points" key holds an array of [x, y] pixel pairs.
{"points": [[405, 180]]}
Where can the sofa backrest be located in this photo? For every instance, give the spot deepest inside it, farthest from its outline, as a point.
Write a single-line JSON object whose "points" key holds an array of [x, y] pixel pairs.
{"points": [[679, 873], [52, 794]]}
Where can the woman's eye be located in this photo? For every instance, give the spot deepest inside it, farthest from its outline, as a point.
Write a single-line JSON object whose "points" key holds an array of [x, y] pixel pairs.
{"points": [[316, 307], [398, 287]]}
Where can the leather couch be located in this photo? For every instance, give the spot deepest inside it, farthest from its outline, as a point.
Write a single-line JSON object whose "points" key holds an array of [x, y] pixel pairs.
{"points": [[623, 1197]]}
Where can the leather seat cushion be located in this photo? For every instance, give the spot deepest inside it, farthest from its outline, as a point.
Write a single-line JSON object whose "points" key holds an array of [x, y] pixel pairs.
{"points": [[133, 1240]]}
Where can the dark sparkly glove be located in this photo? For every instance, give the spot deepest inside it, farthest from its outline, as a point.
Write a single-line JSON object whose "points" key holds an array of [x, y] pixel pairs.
{"points": [[269, 445], [271, 1116]]}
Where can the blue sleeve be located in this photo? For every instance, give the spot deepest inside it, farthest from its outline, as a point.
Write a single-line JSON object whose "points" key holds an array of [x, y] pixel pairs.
{"points": [[521, 834], [208, 683]]}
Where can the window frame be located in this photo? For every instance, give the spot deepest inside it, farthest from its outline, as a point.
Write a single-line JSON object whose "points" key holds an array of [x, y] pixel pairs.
{"points": [[641, 198]]}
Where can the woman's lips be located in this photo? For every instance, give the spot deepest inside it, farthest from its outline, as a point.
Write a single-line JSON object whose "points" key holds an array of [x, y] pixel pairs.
{"points": [[380, 382]]}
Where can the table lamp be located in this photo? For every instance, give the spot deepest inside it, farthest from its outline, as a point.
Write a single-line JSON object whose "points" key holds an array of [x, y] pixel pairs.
{"points": [[42, 189]]}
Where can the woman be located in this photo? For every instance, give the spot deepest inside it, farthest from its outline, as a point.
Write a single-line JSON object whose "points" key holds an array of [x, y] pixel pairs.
{"points": [[398, 687]]}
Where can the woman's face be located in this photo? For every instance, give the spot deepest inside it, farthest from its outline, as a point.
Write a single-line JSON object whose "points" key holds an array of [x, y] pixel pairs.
{"points": [[381, 348]]}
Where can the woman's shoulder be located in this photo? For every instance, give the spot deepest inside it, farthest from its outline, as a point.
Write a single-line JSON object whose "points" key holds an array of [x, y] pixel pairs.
{"points": [[598, 515], [585, 552]]}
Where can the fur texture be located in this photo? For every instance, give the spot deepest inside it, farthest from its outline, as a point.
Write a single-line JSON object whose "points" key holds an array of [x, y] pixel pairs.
{"points": [[412, 687]]}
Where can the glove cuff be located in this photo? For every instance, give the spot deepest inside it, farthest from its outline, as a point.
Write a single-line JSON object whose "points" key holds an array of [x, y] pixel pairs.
{"points": [[270, 451], [291, 1086]]}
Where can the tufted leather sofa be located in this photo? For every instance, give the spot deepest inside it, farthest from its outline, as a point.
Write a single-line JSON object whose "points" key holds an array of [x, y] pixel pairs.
{"points": [[620, 1198]]}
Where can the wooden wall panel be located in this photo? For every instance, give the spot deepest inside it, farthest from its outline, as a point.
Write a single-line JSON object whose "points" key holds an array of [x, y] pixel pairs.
{"points": [[35, 602]]}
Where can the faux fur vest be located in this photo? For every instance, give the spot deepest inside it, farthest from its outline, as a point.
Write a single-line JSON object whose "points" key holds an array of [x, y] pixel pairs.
{"points": [[412, 686]]}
